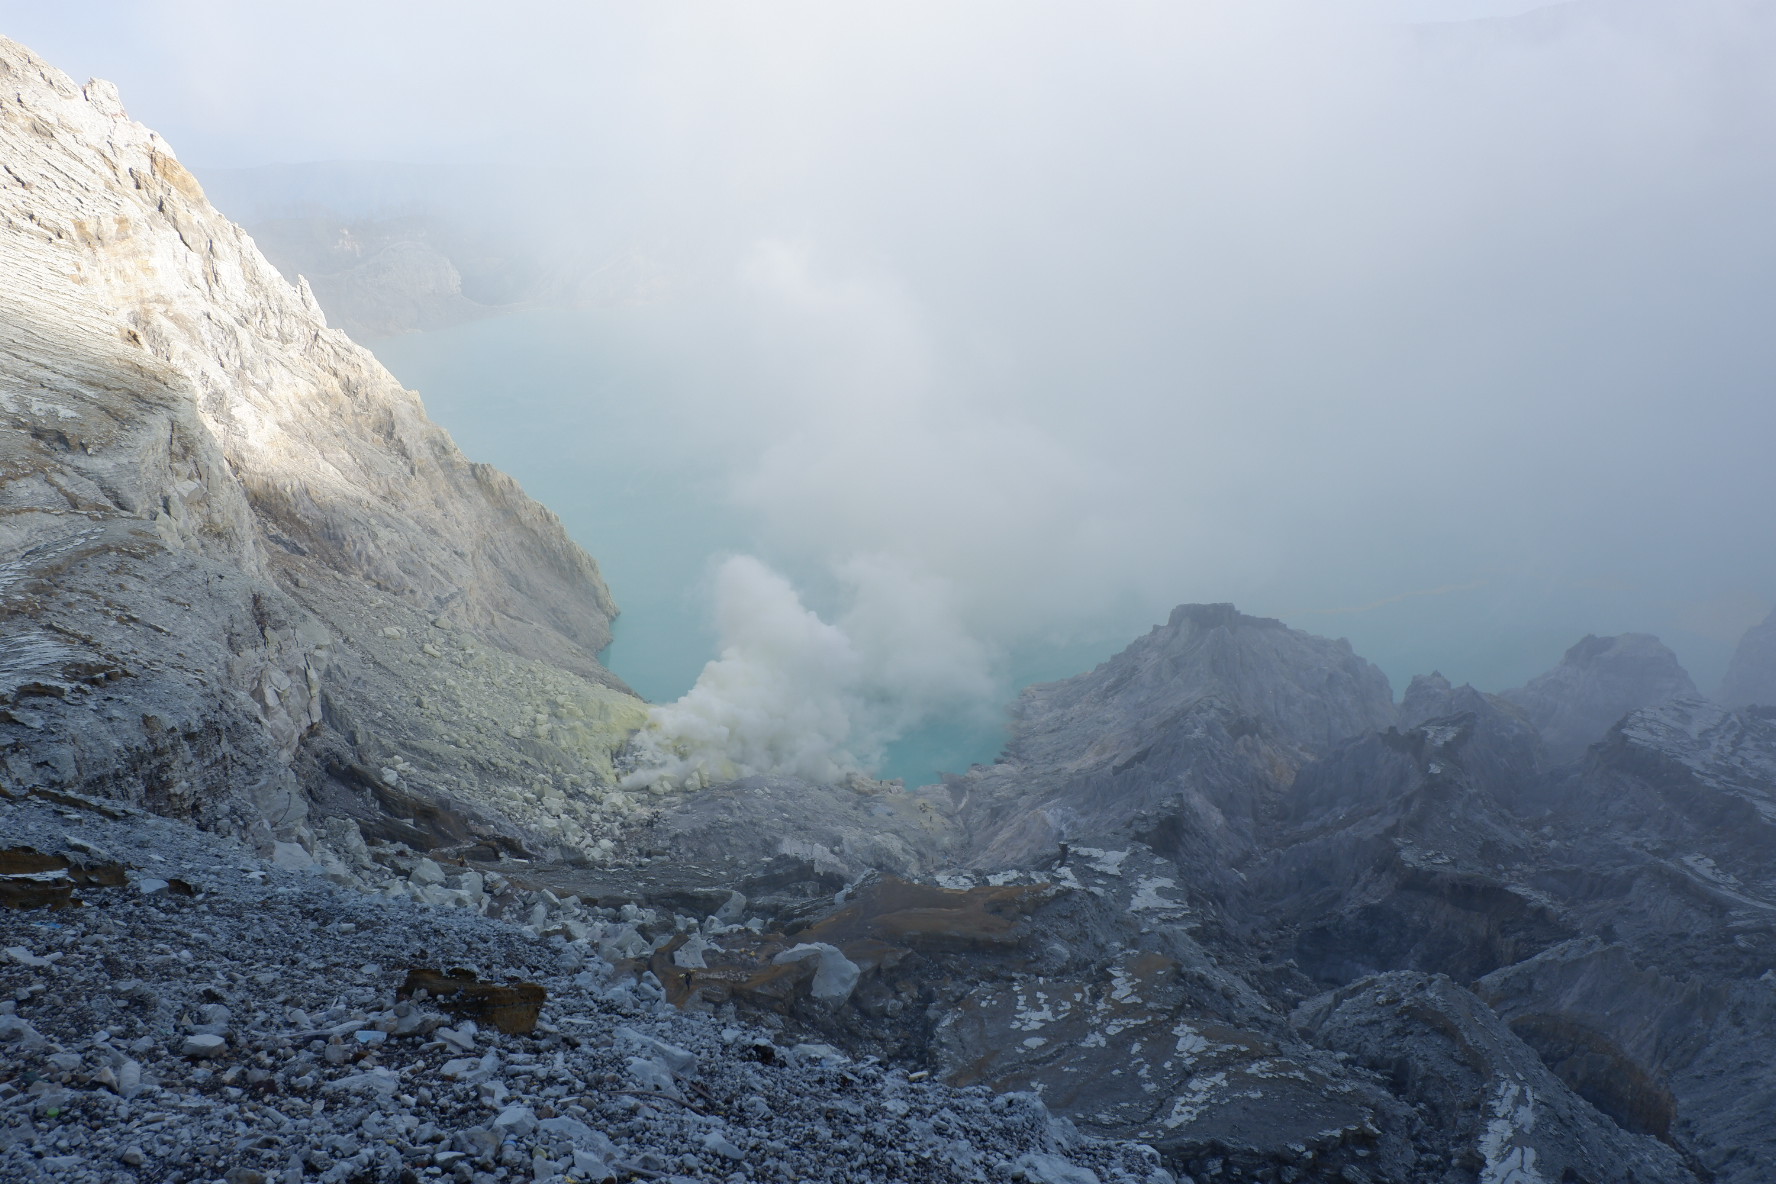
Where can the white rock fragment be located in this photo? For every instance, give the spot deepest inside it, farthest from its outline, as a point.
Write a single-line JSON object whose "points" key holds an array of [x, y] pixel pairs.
{"points": [[718, 1143], [1039, 1168], [129, 1078], [460, 1037], [204, 1045], [517, 1121], [653, 1076], [835, 977], [457, 1068], [679, 1060], [587, 1166], [690, 955], [292, 856]]}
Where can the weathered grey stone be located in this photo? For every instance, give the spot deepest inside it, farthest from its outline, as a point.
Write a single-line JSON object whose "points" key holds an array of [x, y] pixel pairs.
{"points": [[203, 1046], [174, 410], [1598, 681], [1751, 674]]}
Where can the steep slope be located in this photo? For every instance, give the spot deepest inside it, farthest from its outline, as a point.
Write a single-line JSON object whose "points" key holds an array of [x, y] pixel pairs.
{"points": [[1215, 902], [1198, 724], [241, 570], [1597, 682], [1615, 913], [1751, 674]]}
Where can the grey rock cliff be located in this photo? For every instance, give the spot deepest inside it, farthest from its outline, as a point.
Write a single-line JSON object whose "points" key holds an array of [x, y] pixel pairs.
{"points": [[1507, 1117], [1218, 894], [1598, 681], [240, 570], [1174, 856], [1751, 674], [1205, 718]]}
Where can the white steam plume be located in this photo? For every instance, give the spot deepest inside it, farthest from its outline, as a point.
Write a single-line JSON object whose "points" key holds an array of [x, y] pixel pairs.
{"points": [[794, 695]]}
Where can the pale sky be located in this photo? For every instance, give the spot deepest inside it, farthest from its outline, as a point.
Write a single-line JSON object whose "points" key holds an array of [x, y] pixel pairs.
{"points": [[1454, 339]]}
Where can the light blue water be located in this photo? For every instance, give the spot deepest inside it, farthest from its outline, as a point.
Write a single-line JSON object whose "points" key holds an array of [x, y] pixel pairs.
{"points": [[566, 403], [580, 407], [552, 398]]}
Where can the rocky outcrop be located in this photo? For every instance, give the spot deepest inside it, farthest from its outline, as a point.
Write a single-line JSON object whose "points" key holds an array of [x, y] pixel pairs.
{"points": [[1751, 674], [1195, 726], [1504, 1115], [1597, 682], [240, 571], [1615, 914], [1515, 965], [1218, 894]]}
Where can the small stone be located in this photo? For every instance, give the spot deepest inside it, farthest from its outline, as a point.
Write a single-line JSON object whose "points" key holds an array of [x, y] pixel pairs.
{"points": [[716, 1142], [129, 1078], [518, 1121], [460, 1037], [204, 1045], [132, 1157], [587, 1166]]}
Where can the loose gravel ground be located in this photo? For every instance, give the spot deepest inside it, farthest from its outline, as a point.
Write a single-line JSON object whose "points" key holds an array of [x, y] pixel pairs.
{"points": [[251, 1033]]}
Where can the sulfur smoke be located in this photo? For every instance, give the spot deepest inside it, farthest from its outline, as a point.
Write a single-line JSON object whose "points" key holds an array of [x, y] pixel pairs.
{"points": [[792, 694]]}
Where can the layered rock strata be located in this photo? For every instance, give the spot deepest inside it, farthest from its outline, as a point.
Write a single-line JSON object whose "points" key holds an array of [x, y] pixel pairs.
{"points": [[240, 570]]}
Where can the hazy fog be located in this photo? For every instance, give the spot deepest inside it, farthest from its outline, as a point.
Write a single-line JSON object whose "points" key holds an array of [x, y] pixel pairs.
{"points": [[1026, 321]]}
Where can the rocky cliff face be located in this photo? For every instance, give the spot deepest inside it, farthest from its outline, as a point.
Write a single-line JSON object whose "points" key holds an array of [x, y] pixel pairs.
{"points": [[1219, 894], [1751, 674], [1204, 719], [1597, 682], [242, 572]]}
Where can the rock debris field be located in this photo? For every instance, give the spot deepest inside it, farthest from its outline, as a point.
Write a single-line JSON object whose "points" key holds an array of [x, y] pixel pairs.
{"points": [[218, 1018]]}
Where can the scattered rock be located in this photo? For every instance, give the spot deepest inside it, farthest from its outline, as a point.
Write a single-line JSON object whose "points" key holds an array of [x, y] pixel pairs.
{"points": [[203, 1046]]}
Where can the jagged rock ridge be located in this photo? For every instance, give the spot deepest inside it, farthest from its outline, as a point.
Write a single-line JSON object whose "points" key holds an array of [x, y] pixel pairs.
{"points": [[1597, 682], [1429, 949], [1751, 674], [1217, 894]]}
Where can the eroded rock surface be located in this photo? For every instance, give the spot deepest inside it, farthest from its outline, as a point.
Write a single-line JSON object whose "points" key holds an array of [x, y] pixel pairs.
{"points": [[1218, 896], [1197, 726], [1597, 682], [1751, 674], [242, 575]]}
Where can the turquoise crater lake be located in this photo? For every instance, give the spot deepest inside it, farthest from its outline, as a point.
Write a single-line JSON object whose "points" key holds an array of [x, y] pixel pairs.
{"points": [[586, 419]]}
